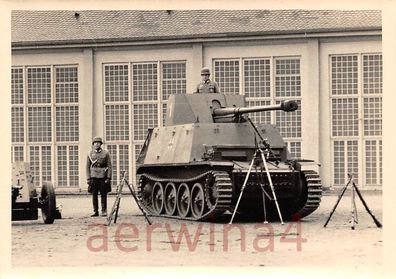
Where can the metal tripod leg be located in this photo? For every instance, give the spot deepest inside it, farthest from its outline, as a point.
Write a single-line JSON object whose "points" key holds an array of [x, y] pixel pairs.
{"points": [[243, 186], [265, 210], [262, 193], [271, 185], [130, 186], [377, 223], [338, 201], [116, 205], [353, 210]]}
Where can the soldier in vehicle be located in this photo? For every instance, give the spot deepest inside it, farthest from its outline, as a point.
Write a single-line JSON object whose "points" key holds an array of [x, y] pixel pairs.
{"points": [[99, 172], [207, 86]]}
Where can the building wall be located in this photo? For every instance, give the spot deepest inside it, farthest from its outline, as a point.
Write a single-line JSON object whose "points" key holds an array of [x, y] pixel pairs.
{"points": [[53, 60], [354, 48], [111, 102]]}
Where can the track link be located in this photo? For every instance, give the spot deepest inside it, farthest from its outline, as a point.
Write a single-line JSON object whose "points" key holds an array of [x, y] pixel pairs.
{"points": [[314, 194]]}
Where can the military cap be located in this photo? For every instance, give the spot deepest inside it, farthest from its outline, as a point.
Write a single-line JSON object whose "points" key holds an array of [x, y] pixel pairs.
{"points": [[205, 71], [97, 139]]}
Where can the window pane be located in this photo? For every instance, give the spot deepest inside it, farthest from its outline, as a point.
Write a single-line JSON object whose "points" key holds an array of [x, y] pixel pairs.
{"points": [[40, 164], [67, 123], [116, 83], [34, 155], [372, 74], [346, 161], [287, 78], [339, 162], [112, 148], [73, 166], [145, 82], [66, 86], [123, 159], [372, 114], [173, 79], [39, 120], [345, 117], [39, 85], [117, 122], [17, 124], [262, 116], [373, 158], [46, 159], [120, 161], [227, 76], [344, 74], [257, 77], [62, 165], [145, 116], [295, 149], [18, 153], [16, 86], [289, 123]]}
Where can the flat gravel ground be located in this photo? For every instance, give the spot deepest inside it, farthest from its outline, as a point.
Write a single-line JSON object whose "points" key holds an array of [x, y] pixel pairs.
{"points": [[80, 240]]}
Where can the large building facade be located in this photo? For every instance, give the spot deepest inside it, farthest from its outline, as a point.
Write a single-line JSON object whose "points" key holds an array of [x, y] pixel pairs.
{"points": [[79, 74]]}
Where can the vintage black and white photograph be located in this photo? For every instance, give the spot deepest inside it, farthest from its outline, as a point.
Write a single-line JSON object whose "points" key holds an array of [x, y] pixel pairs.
{"points": [[201, 137]]}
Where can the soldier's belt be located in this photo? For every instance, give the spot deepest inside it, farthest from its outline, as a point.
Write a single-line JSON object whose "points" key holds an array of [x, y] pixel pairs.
{"points": [[97, 172]]}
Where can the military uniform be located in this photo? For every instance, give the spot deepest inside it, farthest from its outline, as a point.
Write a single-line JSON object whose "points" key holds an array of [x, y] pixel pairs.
{"points": [[208, 86], [98, 171]]}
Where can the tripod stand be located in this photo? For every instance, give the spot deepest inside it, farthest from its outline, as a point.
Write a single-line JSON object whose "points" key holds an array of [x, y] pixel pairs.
{"points": [[353, 211], [116, 205], [259, 154]]}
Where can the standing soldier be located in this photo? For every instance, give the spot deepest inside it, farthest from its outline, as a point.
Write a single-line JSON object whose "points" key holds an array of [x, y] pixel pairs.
{"points": [[99, 175], [207, 86]]}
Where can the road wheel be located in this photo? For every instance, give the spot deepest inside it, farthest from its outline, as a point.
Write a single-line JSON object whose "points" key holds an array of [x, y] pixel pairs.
{"points": [[197, 200], [158, 198], [170, 199], [48, 203], [183, 200]]}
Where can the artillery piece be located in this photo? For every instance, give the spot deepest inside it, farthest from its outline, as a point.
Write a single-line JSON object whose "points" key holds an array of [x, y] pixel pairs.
{"points": [[193, 168], [24, 199]]}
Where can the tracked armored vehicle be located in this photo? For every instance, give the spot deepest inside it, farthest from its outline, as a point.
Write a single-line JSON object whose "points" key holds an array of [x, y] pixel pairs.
{"points": [[194, 167]]}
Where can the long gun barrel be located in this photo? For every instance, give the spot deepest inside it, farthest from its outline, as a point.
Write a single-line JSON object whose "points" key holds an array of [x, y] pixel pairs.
{"points": [[287, 106]]}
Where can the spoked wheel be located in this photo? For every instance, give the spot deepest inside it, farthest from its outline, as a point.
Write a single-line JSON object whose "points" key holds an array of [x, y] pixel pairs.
{"points": [[197, 200], [183, 200], [48, 203], [158, 198], [170, 199]]}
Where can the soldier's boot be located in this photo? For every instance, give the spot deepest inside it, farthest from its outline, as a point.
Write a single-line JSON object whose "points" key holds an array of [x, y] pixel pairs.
{"points": [[103, 202], [95, 206]]}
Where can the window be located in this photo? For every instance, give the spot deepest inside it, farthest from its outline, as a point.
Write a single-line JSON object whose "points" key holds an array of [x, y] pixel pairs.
{"points": [[257, 75], [40, 164], [226, 74], [120, 161], [145, 81], [17, 86], [17, 124], [117, 122], [135, 97], [356, 110], [17, 153], [39, 85], [145, 115], [67, 158], [51, 116], [173, 82], [116, 83]]}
